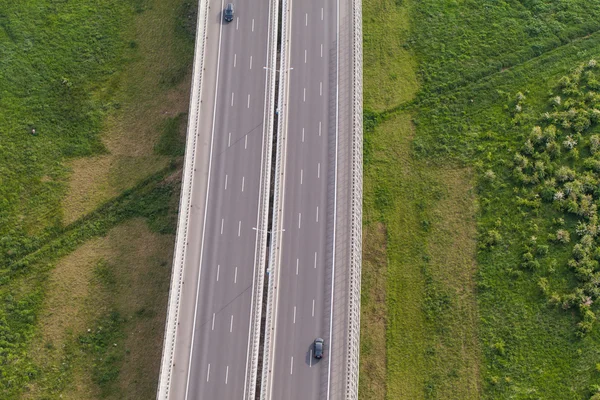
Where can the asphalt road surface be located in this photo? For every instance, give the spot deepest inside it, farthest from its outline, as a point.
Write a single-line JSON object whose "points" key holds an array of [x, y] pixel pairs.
{"points": [[219, 353], [304, 303]]}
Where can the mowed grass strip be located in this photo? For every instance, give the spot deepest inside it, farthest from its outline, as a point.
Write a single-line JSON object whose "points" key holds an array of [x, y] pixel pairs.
{"points": [[389, 68], [419, 318], [426, 212]]}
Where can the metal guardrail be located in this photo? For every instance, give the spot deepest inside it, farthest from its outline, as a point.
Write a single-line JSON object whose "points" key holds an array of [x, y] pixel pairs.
{"points": [[166, 368], [276, 231], [263, 218], [352, 368]]}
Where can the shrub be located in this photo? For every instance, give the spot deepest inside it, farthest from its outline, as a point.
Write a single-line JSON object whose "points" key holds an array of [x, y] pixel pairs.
{"points": [[499, 348], [537, 136], [565, 173], [579, 252], [592, 164], [528, 148], [569, 143], [594, 143], [563, 236], [491, 238], [489, 175], [553, 149]]}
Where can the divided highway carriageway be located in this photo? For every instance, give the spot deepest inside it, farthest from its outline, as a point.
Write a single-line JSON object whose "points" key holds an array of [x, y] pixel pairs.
{"points": [[268, 247]]}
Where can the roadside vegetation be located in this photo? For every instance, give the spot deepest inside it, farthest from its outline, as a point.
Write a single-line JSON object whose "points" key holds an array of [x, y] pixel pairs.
{"points": [[94, 96], [480, 269]]}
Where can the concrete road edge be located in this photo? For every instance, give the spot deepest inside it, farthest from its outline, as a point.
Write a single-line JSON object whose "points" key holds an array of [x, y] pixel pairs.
{"points": [[177, 276], [263, 217], [276, 229], [352, 369]]}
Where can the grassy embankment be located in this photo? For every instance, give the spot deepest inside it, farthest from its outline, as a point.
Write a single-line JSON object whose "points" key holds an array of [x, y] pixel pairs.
{"points": [[94, 95], [444, 315]]}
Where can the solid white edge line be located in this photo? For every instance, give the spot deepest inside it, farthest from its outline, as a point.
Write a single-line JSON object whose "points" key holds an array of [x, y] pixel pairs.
{"points": [[337, 121], [212, 142]]}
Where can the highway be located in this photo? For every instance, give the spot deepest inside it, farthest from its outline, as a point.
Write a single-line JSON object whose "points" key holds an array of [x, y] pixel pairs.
{"points": [[213, 343]]}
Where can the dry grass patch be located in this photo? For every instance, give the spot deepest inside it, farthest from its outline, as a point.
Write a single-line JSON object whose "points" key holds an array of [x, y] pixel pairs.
{"points": [[389, 68], [454, 358], [153, 86], [373, 313], [128, 272]]}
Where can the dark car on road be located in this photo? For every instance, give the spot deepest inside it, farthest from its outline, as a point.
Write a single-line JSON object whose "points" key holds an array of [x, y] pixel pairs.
{"points": [[228, 13], [318, 348]]}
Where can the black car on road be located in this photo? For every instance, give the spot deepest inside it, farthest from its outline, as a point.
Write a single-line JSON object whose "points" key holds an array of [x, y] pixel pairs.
{"points": [[318, 345], [228, 13]]}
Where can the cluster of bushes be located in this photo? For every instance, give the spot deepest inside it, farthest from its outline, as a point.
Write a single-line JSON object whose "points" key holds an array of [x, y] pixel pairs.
{"points": [[559, 162]]}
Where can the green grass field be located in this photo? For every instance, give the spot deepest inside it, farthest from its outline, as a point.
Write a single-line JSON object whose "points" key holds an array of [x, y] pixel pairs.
{"points": [[93, 99], [453, 308]]}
